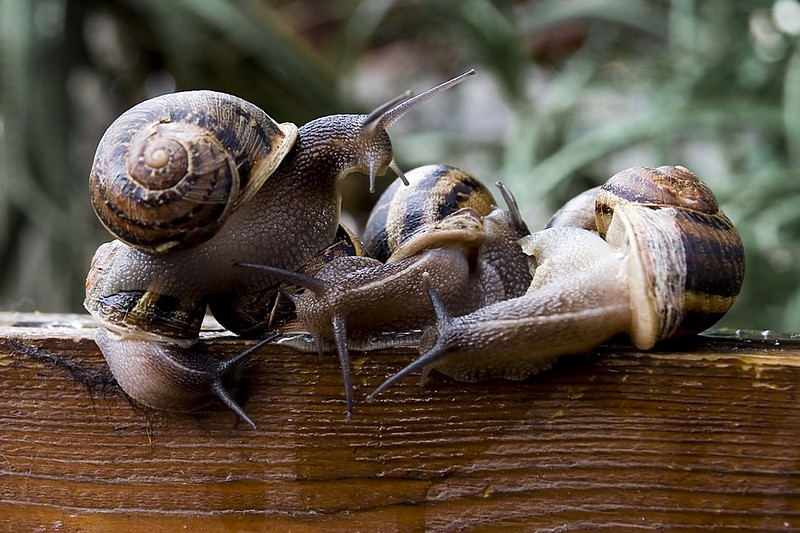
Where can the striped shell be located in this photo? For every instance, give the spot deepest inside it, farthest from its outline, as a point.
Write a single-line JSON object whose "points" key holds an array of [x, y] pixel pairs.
{"points": [[404, 213], [138, 308], [170, 171], [685, 258]]}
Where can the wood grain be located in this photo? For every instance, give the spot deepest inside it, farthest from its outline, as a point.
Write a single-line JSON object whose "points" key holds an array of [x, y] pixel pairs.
{"points": [[702, 434]]}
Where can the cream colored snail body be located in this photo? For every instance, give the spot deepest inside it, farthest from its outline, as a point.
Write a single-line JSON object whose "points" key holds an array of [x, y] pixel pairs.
{"points": [[443, 229], [666, 262], [190, 181]]}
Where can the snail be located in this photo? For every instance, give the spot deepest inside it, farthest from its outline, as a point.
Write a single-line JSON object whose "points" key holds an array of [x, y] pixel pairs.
{"points": [[664, 262], [188, 181], [443, 229]]}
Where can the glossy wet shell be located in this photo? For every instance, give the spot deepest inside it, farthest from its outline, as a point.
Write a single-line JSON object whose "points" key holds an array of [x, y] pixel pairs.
{"points": [[434, 192], [169, 171], [685, 258]]}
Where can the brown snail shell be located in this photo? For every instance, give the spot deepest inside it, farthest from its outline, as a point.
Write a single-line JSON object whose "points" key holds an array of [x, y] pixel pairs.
{"points": [[686, 257], [403, 212], [138, 308], [169, 171]]}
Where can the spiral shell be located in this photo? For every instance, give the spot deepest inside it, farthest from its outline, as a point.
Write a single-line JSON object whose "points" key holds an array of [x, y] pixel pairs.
{"points": [[404, 212], [169, 171], [686, 258]]}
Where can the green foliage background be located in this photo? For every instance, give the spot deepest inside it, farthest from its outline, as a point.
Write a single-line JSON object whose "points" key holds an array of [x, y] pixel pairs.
{"points": [[569, 92]]}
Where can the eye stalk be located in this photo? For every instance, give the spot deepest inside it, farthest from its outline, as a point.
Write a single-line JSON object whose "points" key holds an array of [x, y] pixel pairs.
{"points": [[384, 116]]}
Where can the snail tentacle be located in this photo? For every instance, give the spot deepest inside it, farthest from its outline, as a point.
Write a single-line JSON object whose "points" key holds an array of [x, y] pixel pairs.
{"points": [[337, 322], [513, 208], [340, 337], [434, 354]]}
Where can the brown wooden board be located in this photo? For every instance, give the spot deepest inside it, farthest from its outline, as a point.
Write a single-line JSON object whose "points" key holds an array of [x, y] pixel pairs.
{"points": [[701, 434]]}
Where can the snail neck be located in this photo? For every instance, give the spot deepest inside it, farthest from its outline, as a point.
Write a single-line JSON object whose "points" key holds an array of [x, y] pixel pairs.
{"points": [[329, 148]]}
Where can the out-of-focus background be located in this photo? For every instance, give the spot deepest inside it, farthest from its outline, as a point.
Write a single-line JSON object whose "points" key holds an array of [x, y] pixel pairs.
{"points": [[569, 92]]}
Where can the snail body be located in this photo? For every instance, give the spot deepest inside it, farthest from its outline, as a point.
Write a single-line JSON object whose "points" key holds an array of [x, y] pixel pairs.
{"points": [[255, 313], [281, 210], [664, 262], [443, 229]]}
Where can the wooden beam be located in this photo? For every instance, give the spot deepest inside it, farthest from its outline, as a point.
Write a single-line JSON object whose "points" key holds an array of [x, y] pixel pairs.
{"points": [[700, 434]]}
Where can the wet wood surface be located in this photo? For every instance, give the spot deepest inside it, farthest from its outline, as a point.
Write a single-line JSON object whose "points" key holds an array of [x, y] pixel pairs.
{"points": [[702, 434]]}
